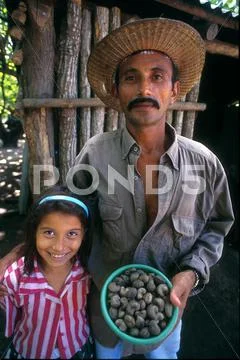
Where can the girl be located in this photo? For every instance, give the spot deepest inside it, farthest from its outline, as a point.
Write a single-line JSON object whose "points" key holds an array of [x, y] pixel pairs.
{"points": [[48, 286]]}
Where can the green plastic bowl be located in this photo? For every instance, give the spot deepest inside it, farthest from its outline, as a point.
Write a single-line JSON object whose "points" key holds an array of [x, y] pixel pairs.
{"points": [[137, 341]]}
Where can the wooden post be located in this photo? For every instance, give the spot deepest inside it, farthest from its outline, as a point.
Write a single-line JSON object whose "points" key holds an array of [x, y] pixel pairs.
{"points": [[121, 120], [111, 122], [69, 46], [189, 116], [24, 184], [84, 87], [101, 25], [177, 119], [38, 81], [169, 116]]}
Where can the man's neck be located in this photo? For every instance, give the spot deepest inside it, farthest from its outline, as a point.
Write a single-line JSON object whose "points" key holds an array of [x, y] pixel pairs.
{"points": [[150, 138]]}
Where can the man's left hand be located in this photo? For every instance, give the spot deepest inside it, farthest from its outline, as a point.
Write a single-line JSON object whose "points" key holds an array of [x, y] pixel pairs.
{"points": [[182, 285]]}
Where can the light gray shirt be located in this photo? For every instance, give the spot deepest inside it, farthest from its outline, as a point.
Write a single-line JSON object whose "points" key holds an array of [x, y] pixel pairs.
{"points": [[194, 206]]}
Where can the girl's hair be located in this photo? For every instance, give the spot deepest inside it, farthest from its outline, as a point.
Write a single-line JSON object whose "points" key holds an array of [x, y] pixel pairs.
{"points": [[39, 210]]}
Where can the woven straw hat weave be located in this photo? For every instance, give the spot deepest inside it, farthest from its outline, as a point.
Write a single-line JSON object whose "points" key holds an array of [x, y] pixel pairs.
{"points": [[178, 40]]}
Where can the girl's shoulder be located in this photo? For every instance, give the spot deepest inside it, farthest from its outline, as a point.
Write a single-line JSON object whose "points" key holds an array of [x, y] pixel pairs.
{"points": [[13, 274], [16, 267]]}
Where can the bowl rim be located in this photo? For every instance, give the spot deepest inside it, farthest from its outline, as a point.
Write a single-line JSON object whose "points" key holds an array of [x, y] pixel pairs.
{"points": [[115, 329]]}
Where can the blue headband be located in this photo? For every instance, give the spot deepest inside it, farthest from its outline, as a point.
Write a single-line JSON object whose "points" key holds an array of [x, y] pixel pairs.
{"points": [[67, 198]]}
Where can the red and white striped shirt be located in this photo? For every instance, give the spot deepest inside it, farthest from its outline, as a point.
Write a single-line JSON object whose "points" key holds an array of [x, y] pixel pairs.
{"points": [[42, 320]]}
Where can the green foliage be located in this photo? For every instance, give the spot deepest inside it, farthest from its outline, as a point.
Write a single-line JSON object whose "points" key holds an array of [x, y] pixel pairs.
{"points": [[8, 93], [231, 6], [8, 78]]}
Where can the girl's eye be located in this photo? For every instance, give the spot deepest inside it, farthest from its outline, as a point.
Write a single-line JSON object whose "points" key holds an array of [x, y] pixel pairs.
{"points": [[49, 233], [73, 234]]}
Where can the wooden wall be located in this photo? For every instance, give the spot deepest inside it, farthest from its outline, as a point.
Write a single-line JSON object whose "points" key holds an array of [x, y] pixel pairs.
{"points": [[54, 67]]}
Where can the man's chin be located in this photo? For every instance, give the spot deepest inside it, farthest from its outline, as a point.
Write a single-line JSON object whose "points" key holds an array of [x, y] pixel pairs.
{"points": [[143, 120]]}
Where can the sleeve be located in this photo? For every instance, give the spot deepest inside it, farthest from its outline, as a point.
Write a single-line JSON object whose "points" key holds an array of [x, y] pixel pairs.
{"points": [[207, 249]]}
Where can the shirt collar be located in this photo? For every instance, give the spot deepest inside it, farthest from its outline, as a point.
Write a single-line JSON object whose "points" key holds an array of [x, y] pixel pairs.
{"points": [[36, 281], [172, 151], [128, 142]]}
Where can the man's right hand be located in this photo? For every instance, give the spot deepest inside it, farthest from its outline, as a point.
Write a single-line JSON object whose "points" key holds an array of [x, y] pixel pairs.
{"points": [[3, 268], [6, 261], [3, 291]]}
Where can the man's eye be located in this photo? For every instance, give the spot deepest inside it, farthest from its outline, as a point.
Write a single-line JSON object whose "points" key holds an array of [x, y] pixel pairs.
{"points": [[129, 78], [158, 76]]}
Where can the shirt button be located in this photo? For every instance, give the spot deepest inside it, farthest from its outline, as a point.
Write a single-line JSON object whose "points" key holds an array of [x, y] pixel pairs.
{"points": [[135, 177], [139, 210], [135, 149]]}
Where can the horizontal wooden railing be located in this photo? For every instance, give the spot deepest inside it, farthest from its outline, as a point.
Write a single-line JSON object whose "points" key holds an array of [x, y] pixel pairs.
{"points": [[95, 102]]}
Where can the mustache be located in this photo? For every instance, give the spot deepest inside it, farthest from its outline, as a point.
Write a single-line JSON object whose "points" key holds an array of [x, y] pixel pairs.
{"points": [[138, 100]]}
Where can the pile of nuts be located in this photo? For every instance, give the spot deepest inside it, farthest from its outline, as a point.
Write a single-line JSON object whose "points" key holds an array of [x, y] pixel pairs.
{"points": [[138, 303]]}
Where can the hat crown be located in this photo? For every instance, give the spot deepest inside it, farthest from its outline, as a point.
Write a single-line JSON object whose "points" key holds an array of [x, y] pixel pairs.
{"points": [[181, 42]]}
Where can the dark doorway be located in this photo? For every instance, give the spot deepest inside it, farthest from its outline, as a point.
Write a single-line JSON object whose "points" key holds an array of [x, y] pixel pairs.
{"points": [[218, 127]]}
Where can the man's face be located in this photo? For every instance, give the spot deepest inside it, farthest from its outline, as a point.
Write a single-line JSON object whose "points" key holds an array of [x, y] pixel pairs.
{"points": [[145, 88]]}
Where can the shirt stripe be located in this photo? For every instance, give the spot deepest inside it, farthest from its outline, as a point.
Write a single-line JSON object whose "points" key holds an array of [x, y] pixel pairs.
{"points": [[42, 320]]}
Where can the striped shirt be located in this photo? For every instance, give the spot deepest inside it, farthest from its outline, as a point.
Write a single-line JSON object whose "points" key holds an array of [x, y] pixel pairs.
{"points": [[42, 320]]}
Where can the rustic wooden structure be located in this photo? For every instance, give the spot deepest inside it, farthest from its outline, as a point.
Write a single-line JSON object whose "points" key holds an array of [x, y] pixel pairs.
{"points": [[54, 76]]}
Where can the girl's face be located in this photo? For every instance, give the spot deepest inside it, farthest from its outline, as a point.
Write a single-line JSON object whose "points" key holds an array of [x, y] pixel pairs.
{"points": [[58, 239]]}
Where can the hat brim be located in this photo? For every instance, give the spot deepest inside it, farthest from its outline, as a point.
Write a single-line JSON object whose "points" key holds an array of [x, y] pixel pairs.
{"points": [[181, 42]]}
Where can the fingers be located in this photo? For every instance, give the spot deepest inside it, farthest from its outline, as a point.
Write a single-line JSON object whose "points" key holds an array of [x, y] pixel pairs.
{"points": [[175, 300], [3, 290]]}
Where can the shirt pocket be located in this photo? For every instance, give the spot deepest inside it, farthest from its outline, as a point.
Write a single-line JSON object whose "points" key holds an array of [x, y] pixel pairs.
{"points": [[186, 231], [111, 217]]}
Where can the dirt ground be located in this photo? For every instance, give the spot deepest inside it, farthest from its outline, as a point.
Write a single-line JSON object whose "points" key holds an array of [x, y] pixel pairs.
{"points": [[211, 319]]}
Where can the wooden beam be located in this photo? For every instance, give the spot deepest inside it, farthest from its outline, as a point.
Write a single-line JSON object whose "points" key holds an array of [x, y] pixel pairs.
{"points": [[222, 48], [95, 102], [201, 13]]}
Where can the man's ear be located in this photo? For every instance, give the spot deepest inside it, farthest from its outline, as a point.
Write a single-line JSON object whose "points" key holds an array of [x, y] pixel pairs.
{"points": [[175, 91]]}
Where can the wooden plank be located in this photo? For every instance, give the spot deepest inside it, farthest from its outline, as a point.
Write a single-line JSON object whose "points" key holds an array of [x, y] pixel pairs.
{"points": [[67, 69], [200, 12], [101, 27], [111, 119], [84, 86], [38, 69], [222, 48], [96, 102]]}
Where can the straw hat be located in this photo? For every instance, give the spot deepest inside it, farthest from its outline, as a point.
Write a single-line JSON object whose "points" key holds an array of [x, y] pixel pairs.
{"points": [[178, 40]]}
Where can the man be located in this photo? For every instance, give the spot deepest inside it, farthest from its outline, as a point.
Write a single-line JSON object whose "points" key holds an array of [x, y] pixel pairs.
{"points": [[163, 199]]}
